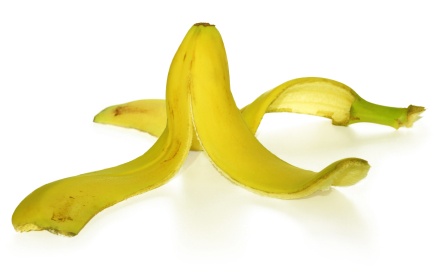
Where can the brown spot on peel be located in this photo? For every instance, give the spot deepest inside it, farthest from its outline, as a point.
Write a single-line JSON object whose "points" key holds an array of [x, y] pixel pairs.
{"points": [[128, 109]]}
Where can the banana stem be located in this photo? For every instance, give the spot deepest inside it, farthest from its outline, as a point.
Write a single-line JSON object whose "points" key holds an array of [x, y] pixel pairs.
{"points": [[364, 111]]}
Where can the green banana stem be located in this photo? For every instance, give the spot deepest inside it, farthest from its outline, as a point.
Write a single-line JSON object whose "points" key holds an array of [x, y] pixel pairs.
{"points": [[364, 111]]}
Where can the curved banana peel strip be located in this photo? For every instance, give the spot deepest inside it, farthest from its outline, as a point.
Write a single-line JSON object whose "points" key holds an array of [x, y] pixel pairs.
{"points": [[65, 206], [309, 95], [145, 115], [330, 99], [199, 100], [231, 145]]}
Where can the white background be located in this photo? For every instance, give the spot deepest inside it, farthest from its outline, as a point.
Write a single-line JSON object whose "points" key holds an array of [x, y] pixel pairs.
{"points": [[63, 61]]}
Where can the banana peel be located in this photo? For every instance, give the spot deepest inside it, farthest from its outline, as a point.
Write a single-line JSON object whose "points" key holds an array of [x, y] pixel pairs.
{"points": [[199, 101]]}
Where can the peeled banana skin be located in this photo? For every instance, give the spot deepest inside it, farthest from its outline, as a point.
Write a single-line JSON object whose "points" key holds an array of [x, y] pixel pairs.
{"points": [[310, 95], [198, 100]]}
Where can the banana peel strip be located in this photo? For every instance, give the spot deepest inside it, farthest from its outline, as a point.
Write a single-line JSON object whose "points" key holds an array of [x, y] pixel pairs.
{"points": [[198, 100], [309, 95]]}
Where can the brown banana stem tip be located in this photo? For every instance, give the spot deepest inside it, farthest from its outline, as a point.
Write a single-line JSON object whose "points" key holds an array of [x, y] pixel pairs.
{"points": [[203, 24]]}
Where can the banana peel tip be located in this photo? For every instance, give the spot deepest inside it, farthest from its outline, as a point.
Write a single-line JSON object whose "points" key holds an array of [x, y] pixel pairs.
{"points": [[349, 171], [413, 114]]}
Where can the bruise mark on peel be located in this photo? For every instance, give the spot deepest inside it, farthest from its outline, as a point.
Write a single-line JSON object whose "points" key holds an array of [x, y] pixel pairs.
{"points": [[64, 212], [178, 146], [128, 109], [60, 218]]}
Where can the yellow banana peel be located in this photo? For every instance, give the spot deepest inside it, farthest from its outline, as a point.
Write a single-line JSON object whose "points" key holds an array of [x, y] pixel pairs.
{"points": [[199, 101]]}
